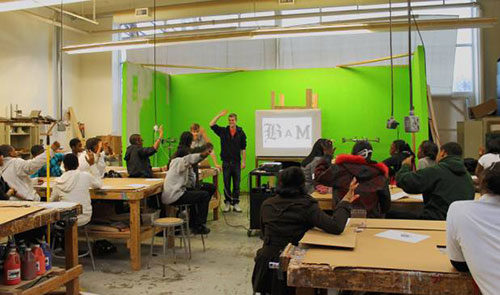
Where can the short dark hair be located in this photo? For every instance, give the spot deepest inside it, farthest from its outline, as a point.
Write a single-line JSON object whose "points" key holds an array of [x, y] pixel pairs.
{"points": [[134, 138], [70, 162], [292, 177], [452, 149], [491, 179], [233, 115], [429, 149], [92, 143], [5, 150], [74, 142], [493, 145], [186, 139], [37, 149], [399, 145], [361, 145]]}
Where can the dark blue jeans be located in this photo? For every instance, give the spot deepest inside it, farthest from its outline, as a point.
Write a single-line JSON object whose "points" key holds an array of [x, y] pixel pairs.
{"points": [[231, 171]]}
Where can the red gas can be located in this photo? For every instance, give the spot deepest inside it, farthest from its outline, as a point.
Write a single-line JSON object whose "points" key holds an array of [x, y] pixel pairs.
{"points": [[12, 268]]}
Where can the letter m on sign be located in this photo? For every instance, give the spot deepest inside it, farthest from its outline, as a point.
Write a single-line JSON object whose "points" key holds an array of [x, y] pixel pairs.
{"points": [[303, 133]]}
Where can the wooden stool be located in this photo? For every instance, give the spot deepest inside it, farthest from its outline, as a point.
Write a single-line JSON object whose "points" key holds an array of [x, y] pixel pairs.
{"points": [[168, 225]]}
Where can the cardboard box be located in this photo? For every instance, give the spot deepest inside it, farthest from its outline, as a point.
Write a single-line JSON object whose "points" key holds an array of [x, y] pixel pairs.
{"points": [[488, 108]]}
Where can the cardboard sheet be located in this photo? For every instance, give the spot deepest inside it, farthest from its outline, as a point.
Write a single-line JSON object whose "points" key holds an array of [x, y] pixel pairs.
{"points": [[400, 224], [375, 252], [8, 214], [319, 196], [398, 195], [320, 238]]}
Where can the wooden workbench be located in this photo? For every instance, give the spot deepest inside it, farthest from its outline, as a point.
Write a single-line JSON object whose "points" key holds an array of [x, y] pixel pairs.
{"points": [[122, 189], [204, 173], [309, 276], [56, 277]]}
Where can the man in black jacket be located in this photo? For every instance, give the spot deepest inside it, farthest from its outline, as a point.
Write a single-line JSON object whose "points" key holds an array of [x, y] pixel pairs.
{"points": [[137, 156], [440, 185], [233, 143]]}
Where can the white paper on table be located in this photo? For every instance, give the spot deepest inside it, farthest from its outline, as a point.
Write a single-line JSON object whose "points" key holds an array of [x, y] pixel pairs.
{"points": [[398, 196], [135, 185], [416, 197], [153, 179], [57, 205], [402, 236], [106, 187]]}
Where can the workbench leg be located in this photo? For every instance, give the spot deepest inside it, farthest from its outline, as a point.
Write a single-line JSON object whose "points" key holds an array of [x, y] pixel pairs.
{"points": [[215, 181], [135, 234], [71, 249]]}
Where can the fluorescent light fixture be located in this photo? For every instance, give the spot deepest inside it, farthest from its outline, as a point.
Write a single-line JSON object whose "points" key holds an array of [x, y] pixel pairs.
{"points": [[27, 4], [311, 34], [109, 46]]}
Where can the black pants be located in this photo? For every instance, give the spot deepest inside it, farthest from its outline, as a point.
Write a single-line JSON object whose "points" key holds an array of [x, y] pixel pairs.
{"points": [[199, 199], [231, 171]]}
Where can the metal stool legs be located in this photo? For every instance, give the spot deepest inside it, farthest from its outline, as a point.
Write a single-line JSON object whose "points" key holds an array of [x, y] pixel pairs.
{"points": [[89, 248]]}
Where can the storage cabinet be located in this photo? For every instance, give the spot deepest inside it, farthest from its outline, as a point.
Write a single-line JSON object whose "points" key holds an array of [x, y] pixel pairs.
{"points": [[472, 134], [22, 136]]}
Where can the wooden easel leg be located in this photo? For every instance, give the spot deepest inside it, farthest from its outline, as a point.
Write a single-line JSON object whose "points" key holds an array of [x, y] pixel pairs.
{"points": [[215, 181], [71, 247], [304, 291]]}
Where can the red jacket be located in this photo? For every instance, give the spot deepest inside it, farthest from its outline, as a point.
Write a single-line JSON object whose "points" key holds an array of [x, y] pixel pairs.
{"points": [[373, 180]]}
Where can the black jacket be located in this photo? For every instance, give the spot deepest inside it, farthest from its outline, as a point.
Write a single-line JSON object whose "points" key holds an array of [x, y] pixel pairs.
{"points": [[138, 164], [394, 163], [231, 146], [285, 218], [440, 185]]}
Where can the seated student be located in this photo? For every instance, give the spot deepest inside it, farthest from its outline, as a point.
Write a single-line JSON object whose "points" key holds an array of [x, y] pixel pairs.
{"points": [[185, 142], [5, 191], [179, 187], [55, 161], [322, 150], [137, 156], [200, 138], [473, 234], [76, 146], [373, 189], [400, 150], [74, 185], [16, 173], [94, 151], [427, 153], [491, 156], [285, 218], [441, 185]]}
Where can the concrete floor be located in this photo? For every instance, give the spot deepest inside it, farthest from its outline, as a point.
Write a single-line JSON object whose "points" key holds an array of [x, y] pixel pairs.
{"points": [[225, 268]]}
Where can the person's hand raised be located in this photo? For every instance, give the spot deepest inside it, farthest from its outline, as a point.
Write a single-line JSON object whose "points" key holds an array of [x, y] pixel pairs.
{"points": [[161, 131], [351, 196], [408, 161], [223, 113], [90, 158]]}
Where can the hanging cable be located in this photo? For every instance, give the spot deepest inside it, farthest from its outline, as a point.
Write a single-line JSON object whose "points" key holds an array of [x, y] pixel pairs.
{"points": [[392, 60], [61, 64], [154, 61], [409, 57]]}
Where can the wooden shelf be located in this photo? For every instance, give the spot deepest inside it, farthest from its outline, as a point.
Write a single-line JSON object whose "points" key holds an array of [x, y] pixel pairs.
{"points": [[54, 279], [20, 134]]}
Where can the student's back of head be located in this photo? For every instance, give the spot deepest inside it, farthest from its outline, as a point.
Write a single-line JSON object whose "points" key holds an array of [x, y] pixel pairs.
{"points": [[186, 139], [452, 149], [493, 146], [92, 144], [291, 182], [364, 149], [491, 179], [70, 162], [135, 139], [317, 150], [429, 149], [37, 150], [6, 150]]}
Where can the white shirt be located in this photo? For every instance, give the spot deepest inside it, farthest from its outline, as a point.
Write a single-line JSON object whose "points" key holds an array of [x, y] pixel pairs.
{"points": [[473, 236], [16, 173], [99, 167], [73, 186], [487, 160]]}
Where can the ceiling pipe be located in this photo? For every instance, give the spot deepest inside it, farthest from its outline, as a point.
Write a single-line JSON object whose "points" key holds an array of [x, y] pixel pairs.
{"points": [[437, 24], [75, 15], [53, 22], [285, 16]]}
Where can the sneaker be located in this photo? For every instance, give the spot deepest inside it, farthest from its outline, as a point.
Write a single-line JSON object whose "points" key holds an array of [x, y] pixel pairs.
{"points": [[227, 207], [237, 208], [201, 230]]}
